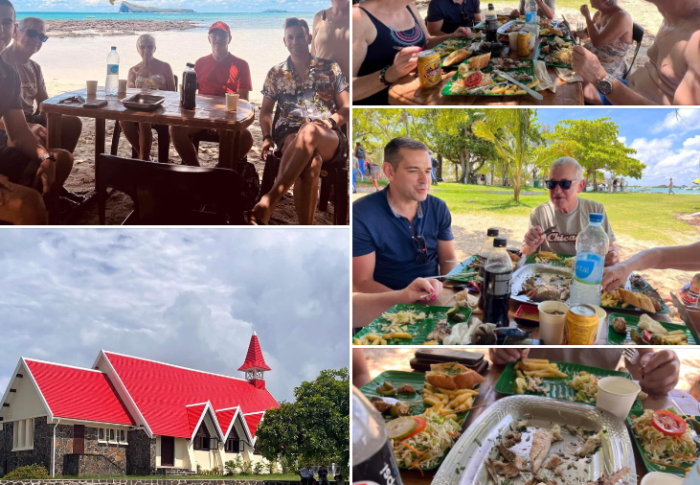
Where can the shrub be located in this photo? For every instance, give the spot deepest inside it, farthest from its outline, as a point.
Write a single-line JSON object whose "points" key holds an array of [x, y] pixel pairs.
{"points": [[246, 467], [28, 472], [258, 468]]}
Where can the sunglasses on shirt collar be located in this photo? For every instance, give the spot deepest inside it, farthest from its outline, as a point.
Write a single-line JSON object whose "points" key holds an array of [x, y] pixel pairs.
{"points": [[419, 244], [33, 34], [564, 184]]}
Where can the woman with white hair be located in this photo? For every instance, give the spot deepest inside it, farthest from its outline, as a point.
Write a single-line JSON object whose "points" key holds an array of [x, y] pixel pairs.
{"points": [[608, 35], [149, 74]]}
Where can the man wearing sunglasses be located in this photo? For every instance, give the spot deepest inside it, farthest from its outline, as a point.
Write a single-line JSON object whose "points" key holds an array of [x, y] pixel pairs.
{"points": [[401, 233], [446, 16], [27, 169], [565, 214]]}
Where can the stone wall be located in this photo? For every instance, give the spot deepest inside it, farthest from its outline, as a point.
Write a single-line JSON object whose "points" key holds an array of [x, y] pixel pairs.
{"points": [[140, 453], [43, 435], [154, 481], [90, 466], [116, 454]]}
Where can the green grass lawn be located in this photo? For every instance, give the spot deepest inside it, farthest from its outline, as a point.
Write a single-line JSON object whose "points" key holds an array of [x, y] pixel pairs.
{"points": [[650, 217]]}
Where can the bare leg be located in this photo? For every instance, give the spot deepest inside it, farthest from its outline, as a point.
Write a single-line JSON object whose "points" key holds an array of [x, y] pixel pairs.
{"points": [[591, 94], [23, 206], [376, 184], [64, 165], [244, 145], [298, 153], [180, 137], [306, 191], [145, 141], [131, 132], [71, 127]]}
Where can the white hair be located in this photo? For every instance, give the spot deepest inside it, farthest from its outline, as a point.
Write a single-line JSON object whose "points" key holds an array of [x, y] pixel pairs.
{"points": [[145, 37], [568, 161], [27, 20], [611, 3]]}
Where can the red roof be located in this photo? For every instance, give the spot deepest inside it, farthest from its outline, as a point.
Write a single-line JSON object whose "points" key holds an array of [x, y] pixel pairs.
{"points": [[254, 359], [253, 420], [161, 392], [193, 415], [80, 394], [225, 417]]}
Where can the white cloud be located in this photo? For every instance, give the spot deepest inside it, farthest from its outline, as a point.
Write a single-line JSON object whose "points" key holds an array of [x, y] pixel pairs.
{"points": [[191, 298], [680, 121], [664, 161]]}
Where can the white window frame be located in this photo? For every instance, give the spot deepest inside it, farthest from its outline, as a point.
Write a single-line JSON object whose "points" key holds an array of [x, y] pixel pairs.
{"points": [[112, 435], [119, 436], [23, 435], [102, 439]]}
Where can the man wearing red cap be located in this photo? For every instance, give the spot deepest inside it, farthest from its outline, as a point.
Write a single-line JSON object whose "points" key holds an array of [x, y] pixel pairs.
{"points": [[218, 73]]}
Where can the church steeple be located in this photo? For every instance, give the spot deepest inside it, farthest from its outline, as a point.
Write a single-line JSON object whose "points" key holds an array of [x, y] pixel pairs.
{"points": [[254, 365]]}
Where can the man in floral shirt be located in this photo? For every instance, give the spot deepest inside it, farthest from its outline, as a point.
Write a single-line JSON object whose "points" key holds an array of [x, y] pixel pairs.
{"points": [[312, 100]]}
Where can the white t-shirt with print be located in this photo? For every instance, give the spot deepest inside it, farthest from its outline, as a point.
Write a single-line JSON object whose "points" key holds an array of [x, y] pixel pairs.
{"points": [[563, 239]]}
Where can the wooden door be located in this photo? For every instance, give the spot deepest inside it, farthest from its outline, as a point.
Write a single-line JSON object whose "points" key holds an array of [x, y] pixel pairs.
{"points": [[167, 451], [79, 439]]}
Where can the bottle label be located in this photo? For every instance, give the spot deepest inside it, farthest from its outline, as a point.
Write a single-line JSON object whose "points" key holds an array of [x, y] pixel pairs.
{"points": [[379, 469], [500, 284], [530, 17], [112, 69], [589, 268]]}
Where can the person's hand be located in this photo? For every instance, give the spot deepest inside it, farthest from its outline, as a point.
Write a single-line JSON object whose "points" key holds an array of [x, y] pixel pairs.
{"points": [[587, 65], [515, 13], [421, 289], [45, 176], [534, 237], [266, 146], [462, 32], [585, 12], [615, 276], [613, 257], [661, 372], [405, 61], [39, 132], [5, 184], [503, 356]]}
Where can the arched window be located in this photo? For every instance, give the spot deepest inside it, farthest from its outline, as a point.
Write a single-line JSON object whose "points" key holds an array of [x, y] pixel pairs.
{"points": [[203, 440]]}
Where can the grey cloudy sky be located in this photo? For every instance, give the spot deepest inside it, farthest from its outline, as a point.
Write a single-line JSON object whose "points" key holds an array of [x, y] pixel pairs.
{"points": [[190, 297]]}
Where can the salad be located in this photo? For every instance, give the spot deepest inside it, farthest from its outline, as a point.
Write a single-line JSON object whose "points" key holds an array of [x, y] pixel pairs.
{"points": [[422, 441], [666, 438], [586, 387]]}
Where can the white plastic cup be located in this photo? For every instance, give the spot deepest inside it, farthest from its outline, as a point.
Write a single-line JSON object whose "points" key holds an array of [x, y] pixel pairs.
{"points": [[617, 395], [658, 478], [91, 88], [552, 326], [513, 41], [231, 101], [122, 86]]}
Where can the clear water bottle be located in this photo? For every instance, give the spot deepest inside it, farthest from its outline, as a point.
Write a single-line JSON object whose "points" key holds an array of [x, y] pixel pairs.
{"points": [[693, 476], [591, 247], [498, 278], [372, 457], [112, 83], [531, 11]]}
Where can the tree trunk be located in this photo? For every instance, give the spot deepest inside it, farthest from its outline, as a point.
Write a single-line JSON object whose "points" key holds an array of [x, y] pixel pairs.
{"points": [[463, 165], [491, 182], [595, 181], [407, 124], [438, 170]]}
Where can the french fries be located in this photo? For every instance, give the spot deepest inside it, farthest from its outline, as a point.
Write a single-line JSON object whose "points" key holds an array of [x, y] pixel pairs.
{"points": [[376, 339], [539, 368], [446, 402], [548, 255]]}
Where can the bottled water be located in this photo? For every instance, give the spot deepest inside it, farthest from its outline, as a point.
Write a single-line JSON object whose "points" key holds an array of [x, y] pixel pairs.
{"points": [[591, 247], [112, 83], [531, 11]]}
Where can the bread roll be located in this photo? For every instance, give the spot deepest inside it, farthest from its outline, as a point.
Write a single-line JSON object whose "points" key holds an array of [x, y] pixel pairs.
{"points": [[452, 375], [638, 300], [456, 57], [479, 62]]}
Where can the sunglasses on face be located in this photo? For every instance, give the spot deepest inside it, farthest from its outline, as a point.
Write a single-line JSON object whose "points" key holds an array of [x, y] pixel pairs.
{"points": [[564, 184], [149, 47], [419, 244], [33, 34]]}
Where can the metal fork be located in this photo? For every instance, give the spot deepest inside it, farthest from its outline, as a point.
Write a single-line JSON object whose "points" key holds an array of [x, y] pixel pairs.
{"points": [[632, 355]]}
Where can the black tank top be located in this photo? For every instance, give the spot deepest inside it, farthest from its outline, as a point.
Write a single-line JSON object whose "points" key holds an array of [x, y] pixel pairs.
{"points": [[381, 52]]}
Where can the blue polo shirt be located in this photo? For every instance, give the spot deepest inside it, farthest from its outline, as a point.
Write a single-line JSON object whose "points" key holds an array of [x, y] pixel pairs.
{"points": [[378, 229], [453, 15]]}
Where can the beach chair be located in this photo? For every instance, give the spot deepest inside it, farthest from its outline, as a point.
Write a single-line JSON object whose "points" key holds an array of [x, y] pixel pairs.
{"points": [[334, 181], [637, 36], [163, 139], [181, 194]]}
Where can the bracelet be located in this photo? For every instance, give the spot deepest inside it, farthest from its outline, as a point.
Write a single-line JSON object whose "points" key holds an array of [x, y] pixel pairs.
{"points": [[266, 137], [382, 76]]}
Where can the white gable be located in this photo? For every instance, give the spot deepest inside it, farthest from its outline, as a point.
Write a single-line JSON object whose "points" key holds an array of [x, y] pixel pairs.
{"points": [[25, 402]]}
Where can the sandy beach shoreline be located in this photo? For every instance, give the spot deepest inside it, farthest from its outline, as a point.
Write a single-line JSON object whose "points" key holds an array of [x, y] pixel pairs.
{"points": [[92, 28]]}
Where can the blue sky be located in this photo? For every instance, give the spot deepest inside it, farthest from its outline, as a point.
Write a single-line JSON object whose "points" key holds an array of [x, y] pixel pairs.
{"points": [[186, 297], [199, 5], [666, 140]]}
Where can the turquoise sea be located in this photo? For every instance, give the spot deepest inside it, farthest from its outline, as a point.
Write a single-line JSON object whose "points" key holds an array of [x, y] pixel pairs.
{"points": [[649, 190]]}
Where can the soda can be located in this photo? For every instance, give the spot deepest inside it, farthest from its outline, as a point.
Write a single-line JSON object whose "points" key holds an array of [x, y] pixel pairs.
{"points": [[429, 70], [524, 43], [581, 325]]}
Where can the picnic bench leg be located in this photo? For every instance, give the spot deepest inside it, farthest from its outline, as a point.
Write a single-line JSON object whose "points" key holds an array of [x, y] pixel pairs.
{"points": [[53, 124], [227, 145], [99, 138]]}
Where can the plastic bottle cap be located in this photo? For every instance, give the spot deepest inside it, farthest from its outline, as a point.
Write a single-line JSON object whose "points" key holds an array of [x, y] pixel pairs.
{"points": [[596, 218], [114, 48], [499, 242], [492, 232]]}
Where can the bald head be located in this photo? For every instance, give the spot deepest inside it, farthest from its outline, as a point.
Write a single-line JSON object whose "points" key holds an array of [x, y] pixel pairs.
{"points": [[32, 23]]}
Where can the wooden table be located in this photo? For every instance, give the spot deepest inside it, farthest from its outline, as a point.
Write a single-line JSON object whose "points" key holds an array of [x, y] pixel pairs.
{"points": [[446, 298], [487, 396], [210, 113], [408, 91]]}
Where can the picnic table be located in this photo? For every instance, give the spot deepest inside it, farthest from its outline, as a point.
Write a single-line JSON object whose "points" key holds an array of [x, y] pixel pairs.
{"points": [[408, 91], [210, 113], [680, 400]]}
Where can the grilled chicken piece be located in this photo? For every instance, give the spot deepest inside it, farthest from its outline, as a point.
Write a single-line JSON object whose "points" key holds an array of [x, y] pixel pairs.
{"points": [[512, 439], [511, 469], [556, 433], [507, 455], [541, 443], [406, 389], [544, 293], [612, 479], [442, 330], [590, 447], [553, 462]]}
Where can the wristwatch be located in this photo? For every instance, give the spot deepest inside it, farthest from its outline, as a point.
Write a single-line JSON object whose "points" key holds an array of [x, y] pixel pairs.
{"points": [[605, 85], [266, 137], [382, 76], [334, 125], [47, 156]]}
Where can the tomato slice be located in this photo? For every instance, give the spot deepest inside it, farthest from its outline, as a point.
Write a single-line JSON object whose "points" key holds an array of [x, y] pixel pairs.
{"points": [[473, 79], [646, 335], [668, 423], [420, 426]]}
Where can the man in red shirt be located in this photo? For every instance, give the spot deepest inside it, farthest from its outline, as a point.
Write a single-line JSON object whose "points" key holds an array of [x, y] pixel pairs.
{"points": [[218, 73]]}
